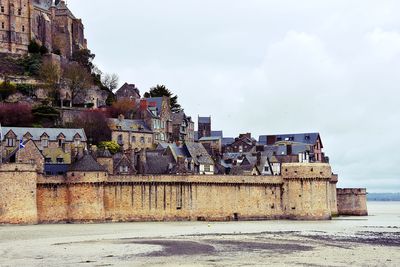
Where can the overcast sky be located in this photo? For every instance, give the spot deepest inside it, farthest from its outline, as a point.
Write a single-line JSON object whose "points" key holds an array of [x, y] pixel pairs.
{"points": [[269, 67]]}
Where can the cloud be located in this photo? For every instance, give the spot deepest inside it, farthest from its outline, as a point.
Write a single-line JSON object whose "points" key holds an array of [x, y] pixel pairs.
{"points": [[269, 67]]}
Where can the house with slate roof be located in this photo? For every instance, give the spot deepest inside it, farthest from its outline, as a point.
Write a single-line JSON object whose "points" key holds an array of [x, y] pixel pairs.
{"points": [[312, 140], [243, 143], [157, 115], [131, 134], [57, 145], [182, 128], [51, 149], [128, 92]]}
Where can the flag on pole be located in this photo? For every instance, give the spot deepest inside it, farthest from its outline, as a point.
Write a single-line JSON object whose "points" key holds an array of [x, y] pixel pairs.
{"points": [[21, 144]]}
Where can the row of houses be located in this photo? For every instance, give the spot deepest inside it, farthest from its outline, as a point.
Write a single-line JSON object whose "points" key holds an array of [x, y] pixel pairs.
{"points": [[154, 140]]}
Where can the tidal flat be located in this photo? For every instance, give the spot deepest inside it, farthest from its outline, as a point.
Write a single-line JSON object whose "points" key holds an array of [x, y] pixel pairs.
{"points": [[343, 241]]}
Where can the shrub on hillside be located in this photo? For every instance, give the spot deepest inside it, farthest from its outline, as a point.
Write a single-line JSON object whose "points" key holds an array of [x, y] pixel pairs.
{"points": [[7, 89], [95, 124], [16, 115], [33, 47]]}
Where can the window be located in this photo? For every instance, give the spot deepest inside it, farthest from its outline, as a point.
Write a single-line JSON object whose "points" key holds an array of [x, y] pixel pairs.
{"points": [[19, 11], [266, 169], [120, 139], [149, 140], [10, 142], [77, 141], [2, 25], [279, 139], [60, 142], [207, 168], [60, 160], [23, 28], [142, 140], [47, 160], [133, 139], [2, 9], [45, 142]]}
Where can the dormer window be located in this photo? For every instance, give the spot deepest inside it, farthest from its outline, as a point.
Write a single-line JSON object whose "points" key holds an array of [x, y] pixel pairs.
{"points": [[77, 141], [10, 142], [45, 142]]}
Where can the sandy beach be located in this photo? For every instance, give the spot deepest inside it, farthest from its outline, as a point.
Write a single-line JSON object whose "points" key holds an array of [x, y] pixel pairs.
{"points": [[344, 241]]}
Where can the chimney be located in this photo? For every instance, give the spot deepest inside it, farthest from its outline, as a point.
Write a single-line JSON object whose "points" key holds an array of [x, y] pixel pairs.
{"points": [[143, 104], [289, 149], [133, 162], [142, 162], [258, 158]]}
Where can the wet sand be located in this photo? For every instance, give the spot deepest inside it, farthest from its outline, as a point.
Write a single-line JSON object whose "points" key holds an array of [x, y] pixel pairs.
{"points": [[355, 241]]}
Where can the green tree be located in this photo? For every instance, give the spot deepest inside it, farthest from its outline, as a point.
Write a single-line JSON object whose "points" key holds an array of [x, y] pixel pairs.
{"points": [[162, 90], [112, 146], [84, 58]]}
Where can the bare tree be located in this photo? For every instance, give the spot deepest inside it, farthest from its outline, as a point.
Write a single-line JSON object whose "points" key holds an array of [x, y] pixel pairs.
{"points": [[110, 81], [50, 73], [76, 78]]}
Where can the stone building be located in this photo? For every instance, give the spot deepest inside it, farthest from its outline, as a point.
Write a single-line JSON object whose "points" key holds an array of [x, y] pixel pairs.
{"points": [[157, 115], [51, 149], [203, 127], [212, 144], [313, 140], [131, 134], [127, 92], [243, 143], [182, 128], [48, 22]]}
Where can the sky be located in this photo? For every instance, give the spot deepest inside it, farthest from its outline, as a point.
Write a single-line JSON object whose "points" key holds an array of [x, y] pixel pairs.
{"points": [[268, 67]]}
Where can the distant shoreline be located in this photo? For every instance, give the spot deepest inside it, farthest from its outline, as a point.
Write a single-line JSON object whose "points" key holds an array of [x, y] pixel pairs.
{"points": [[383, 197]]}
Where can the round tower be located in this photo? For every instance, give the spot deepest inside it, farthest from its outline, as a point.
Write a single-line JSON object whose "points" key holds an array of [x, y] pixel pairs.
{"points": [[85, 180]]}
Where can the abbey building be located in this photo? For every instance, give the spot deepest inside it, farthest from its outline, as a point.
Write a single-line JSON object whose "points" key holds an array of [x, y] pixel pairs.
{"points": [[49, 23]]}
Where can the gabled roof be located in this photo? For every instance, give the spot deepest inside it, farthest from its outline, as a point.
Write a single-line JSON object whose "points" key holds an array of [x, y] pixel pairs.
{"points": [[227, 140], [158, 164], [157, 102], [52, 133], [198, 153], [86, 164], [126, 90]]}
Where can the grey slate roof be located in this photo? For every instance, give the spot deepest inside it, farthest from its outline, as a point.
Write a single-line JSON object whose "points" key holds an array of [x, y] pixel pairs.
{"points": [[227, 141], [86, 164], [126, 90], [53, 133], [130, 125], [157, 101], [158, 164], [198, 153], [307, 138]]}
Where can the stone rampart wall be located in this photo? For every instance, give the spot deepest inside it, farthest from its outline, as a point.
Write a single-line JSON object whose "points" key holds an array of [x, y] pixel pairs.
{"points": [[352, 201], [98, 197], [18, 194]]}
